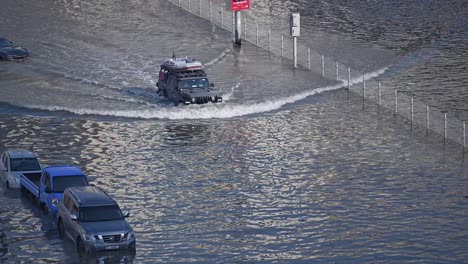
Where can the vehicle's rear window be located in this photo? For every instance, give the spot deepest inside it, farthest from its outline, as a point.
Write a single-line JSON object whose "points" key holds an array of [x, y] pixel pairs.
{"points": [[61, 183], [100, 213], [24, 164]]}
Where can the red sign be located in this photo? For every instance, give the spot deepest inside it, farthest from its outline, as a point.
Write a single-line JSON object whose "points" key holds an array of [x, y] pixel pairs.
{"points": [[238, 5]]}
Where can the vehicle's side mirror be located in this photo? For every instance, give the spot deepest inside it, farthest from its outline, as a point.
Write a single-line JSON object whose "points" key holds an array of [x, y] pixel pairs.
{"points": [[73, 217], [126, 214], [47, 189], [211, 84]]}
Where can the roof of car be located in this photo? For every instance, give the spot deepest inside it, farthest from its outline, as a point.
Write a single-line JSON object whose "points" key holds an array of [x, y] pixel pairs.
{"points": [[91, 196], [63, 170], [20, 153]]}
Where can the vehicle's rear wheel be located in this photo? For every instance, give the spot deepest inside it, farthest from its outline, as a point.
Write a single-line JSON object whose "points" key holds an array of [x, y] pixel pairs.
{"points": [[61, 231]]}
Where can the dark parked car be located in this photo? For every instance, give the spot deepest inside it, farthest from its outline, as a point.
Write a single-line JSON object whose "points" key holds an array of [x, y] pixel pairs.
{"points": [[8, 50]]}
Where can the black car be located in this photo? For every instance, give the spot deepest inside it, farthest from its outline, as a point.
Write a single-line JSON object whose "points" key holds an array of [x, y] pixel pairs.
{"points": [[8, 51]]}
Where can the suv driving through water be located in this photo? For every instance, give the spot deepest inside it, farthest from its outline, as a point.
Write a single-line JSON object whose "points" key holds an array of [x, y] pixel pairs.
{"points": [[182, 80]]}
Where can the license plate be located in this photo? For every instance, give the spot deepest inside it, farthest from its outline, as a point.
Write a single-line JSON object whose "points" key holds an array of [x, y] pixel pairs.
{"points": [[112, 247]]}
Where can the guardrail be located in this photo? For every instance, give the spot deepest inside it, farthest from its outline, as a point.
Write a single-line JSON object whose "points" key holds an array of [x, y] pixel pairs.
{"points": [[402, 103]]}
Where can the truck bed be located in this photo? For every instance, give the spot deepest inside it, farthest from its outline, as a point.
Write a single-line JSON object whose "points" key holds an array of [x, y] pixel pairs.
{"points": [[31, 182]]}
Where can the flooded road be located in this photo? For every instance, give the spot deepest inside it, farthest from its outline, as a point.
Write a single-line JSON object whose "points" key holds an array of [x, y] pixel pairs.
{"points": [[287, 169]]}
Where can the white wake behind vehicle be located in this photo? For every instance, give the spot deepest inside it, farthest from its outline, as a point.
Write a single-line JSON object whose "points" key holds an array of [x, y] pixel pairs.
{"points": [[15, 162]]}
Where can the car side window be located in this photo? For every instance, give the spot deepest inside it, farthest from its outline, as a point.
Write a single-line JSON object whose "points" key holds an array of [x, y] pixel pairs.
{"points": [[66, 201]]}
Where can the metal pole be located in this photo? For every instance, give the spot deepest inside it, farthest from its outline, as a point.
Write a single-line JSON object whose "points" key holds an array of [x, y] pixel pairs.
{"points": [[445, 128], [308, 58], [412, 111], [349, 79], [396, 102], [211, 12], [337, 71], [179, 2], [282, 45], [464, 135], [199, 7], [427, 120], [189, 5], [256, 41], [363, 85], [380, 94], [222, 19], [323, 65], [295, 51], [245, 29], [268, 40]]}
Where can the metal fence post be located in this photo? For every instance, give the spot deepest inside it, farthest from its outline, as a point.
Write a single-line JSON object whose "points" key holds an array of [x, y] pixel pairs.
{"points": [[189, 5], [445, 127], [199, 7], [308, 58], [222, 19], [211, 12], [412, 111], [427, 120], [179, 2], [349, 79], [245, 28], [337, 71], [269, 40], [396, 103], [464, 135], [282, 45], [363, 86], [323, 65], [380, 94], [256, 41]]}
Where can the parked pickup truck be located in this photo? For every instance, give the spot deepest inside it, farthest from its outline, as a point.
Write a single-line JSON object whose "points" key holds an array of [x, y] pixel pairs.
{"points": [[48, 186]]}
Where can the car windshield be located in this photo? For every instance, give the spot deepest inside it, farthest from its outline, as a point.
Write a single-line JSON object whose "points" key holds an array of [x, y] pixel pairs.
{"points": [[25, 164], [100, 213], [61, 183], [5, 43], [194, 83]]}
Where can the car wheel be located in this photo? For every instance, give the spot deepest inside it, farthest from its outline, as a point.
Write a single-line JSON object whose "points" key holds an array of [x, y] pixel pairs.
{"points": [[80, 247], [61, 231]]}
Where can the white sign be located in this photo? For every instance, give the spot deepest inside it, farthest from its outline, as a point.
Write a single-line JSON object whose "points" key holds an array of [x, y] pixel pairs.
{"points": [[295, 24]]}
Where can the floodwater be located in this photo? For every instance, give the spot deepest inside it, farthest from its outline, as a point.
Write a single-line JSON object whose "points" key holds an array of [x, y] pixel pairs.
{"points": [[287, 169]]}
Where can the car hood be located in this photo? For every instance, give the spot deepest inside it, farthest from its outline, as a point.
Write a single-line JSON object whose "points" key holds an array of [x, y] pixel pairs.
{"points": [[106, 227], [15, 51]]}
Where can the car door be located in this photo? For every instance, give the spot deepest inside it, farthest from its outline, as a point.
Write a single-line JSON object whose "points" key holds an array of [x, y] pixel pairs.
{"points": [[6, 167], [66, 219], [3, 168], [46, 185], [74, 225]]}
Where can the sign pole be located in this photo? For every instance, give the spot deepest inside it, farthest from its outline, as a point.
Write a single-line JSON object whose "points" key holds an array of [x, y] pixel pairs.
{"points": [[238, 27], [295, 32], [295, 51], [236, 6]]}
